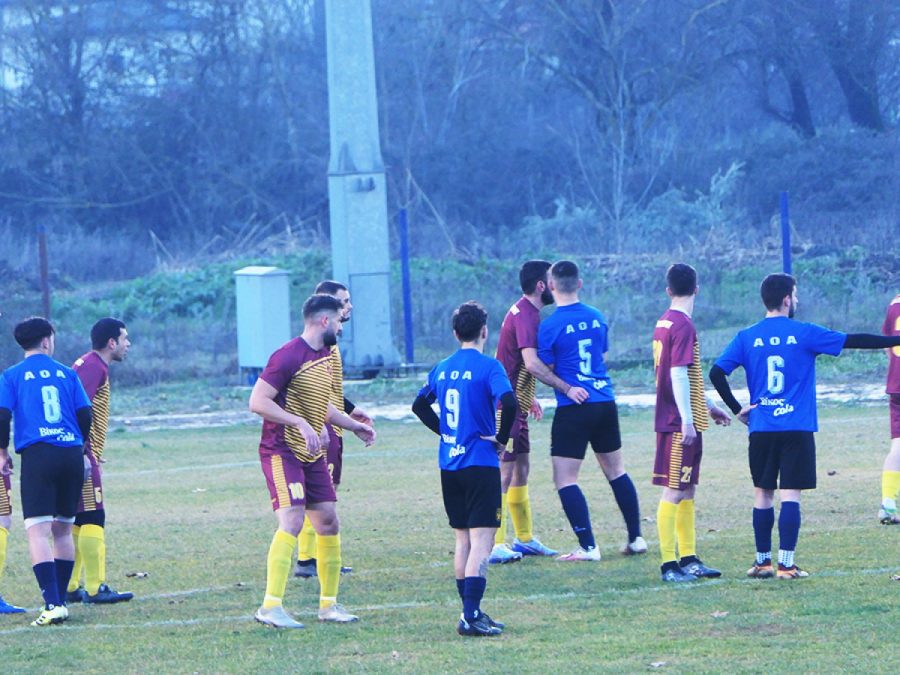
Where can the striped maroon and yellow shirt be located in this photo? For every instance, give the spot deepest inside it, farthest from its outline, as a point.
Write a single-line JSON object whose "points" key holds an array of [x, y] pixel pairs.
{"points": [[94, 375]]}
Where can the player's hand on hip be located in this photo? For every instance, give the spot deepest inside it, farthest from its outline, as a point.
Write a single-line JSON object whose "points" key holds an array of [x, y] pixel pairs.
{"points": [[719, 416], [499, 447], [365, 433], [536, 411], [361, 416], [688, 434], [578, 394], [309, 434], [744, 415]]}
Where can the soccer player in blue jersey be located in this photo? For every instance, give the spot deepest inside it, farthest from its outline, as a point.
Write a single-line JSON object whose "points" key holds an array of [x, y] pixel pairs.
{"points": [[573, 341], [778, 355], [468, 386], [52, 415]]}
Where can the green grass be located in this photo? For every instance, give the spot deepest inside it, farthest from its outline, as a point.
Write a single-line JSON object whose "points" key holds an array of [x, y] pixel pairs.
{"points": [[191, 509]]}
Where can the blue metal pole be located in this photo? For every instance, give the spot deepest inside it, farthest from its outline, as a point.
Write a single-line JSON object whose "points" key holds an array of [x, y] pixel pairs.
{"points": [[403, 224], [785, 234]]}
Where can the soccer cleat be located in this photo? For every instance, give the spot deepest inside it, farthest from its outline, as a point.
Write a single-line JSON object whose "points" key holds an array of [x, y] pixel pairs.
{"points": [[792, 572], [306, 570], [502, 554], [106, 596], [78, 595], [495, 624], [699, 570], [676, 575], [346, 570], [888, 516], [50, 615], [636, 547], [336, 614], [276, 617], [764, 571], [6, 608], [581, 555], [480, 627], [533, 547]]}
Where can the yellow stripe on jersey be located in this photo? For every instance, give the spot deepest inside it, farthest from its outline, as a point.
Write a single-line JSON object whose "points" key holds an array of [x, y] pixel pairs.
{"points": [[308, 394], [337, 374], [525, 389], [5, 501], [100, 422], [87, 494], [698, 397], [675, 460], [281, 488]]}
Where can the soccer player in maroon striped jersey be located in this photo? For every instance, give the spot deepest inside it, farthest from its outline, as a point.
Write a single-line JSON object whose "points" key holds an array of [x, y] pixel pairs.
{"points": [[682, 414], [109, 342], [890, 477]]}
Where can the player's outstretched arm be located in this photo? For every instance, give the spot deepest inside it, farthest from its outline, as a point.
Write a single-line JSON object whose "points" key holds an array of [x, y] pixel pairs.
{"points": [[869, 341], [422, 409], [542, 371], [720, 381]]}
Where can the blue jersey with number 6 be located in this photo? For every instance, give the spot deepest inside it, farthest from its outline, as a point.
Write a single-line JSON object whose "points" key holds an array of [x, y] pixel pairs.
{"points": [[43, 396], [573, 340], [778, 355], [467, 386]]}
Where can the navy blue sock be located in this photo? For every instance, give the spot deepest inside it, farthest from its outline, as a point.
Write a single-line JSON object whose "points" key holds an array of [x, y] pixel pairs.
{"points": [[472, 594], [460, 588], [63, 574], [763, 521], [45, 573], [788, 526], [627, 499], [576, 508]]}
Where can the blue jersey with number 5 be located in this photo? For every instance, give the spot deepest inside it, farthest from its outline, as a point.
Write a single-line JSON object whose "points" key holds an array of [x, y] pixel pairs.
{"points": [[778, 355], [43, 396], [467, 386], [573, 340]]}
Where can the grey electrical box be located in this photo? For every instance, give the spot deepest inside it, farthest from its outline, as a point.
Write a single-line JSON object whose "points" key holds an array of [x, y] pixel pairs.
{"points": [[263, 316]]}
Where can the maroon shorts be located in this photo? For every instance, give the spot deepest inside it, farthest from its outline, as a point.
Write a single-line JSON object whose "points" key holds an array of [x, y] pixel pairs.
{"points": [[295, 483], [518, 436], [5, 496], [677, 466], [895, 415], [335, 455], [92, 489]]}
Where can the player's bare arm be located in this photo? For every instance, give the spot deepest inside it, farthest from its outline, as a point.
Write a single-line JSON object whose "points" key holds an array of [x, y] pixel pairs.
{"points": [[363, 431], [545, 374], [719, 416], [262, 403]]}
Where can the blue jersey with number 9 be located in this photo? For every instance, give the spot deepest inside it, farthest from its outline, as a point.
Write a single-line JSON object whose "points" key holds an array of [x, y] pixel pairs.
{"points": [[43, 396], [573, 340], [778, 355], [467, 386]]}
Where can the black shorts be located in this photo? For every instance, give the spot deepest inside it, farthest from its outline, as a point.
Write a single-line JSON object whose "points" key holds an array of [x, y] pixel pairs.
{"points": [[472, 497], [574, 426], [51, 480], [788, 454]]}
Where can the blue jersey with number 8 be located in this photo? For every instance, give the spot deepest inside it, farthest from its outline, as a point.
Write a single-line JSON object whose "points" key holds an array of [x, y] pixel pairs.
{"points": [[43, 396], [778, 355], [573, 340], [467, 386]]}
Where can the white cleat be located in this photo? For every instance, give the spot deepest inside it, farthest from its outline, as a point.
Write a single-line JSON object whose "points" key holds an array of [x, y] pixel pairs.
{"points": [[50, 615], [502, 554], [336, 614], [637, 547], [581, 555], [276, 617]]}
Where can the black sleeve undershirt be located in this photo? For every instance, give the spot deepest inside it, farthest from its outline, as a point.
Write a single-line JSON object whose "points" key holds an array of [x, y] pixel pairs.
{"points": [[422, 409], [348, 406], [85, 417], [5, 417], [869, 341], [509, 408], [720, 381]]}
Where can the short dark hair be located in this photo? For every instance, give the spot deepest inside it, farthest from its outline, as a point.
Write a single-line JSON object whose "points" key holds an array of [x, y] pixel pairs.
{"points": [[330, 287], [532, 272], [565, 275], [318, 303], [105, 330], [681, 279], [468, 320], [31, 331], [775, 288]]}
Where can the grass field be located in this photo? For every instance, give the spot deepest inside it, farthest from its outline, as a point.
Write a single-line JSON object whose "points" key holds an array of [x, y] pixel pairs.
{"points": [[191, 509]]}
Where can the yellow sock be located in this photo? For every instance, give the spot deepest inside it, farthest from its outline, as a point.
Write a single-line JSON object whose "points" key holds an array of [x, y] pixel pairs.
{"points": [[90, 545], [278, 567], [500, 536], [520, 512], [79, 562], [103, 560], [328, 567], [4, 534], [684, 523], [307, 548], [890, 485], [665, 525]]}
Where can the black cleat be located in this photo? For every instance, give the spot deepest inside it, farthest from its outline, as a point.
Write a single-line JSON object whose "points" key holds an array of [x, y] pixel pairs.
{"points": [[78, 595], [480, 627], [306, 569], [495, 624], [699, 570], [676, 575], [106, 596]]}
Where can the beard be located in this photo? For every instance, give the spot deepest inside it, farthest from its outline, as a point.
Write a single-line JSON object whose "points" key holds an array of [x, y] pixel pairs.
{"points": [[791, 311], [329, 339], [547, 297]]}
